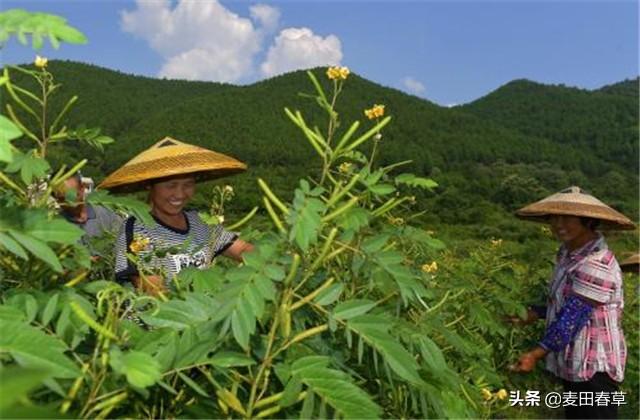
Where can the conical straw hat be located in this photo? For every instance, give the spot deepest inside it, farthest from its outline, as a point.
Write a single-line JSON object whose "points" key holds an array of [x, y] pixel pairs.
{"points": [[631, 264], [170, 157], [575, 202]]}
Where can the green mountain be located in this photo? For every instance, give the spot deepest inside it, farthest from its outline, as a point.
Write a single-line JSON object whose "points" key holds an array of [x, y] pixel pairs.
{"points": [[604, 122], [516, 144], [628, 87]]}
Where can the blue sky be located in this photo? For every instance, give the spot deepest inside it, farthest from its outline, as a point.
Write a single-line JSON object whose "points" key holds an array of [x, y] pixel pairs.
{"points": [[449, 52]]}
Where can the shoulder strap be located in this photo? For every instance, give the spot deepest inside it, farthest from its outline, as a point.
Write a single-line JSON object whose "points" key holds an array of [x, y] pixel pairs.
{"points": [[128, 230]]}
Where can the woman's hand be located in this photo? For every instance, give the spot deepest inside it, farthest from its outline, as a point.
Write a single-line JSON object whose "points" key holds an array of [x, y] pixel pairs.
{"points": [[532, 317], [527, 361], [152, 285]]}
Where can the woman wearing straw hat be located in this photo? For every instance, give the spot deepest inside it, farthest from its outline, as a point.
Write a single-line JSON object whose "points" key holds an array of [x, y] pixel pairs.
{"points": [[169, 170], [583, 342]]}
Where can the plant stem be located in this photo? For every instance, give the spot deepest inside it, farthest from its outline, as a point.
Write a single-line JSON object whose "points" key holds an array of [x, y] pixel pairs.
{"points": [[266, 361]]}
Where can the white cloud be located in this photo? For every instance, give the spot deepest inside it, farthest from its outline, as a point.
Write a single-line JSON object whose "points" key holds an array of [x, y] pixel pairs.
{"points": [[298, 48], [413, 86], [203, 40], [267, 16], [199, 39]]}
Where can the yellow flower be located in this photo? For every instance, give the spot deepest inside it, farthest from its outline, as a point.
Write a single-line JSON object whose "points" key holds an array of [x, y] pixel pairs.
{"points": [[502, 394], [338, 73], [486, 394], [369, 114], [376, 111], [333, 73], [345, 167], [139, 244], [430, 268], [220, 219], [496, 242], [40, 62]]}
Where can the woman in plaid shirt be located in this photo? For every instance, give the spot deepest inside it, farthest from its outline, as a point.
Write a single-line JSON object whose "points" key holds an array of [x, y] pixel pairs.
{"points": [[583, 342]]}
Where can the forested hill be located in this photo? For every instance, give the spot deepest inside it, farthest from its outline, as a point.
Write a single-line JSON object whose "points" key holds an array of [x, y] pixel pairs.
{"points": [[516, 144], [629, 87], [603, 121]]}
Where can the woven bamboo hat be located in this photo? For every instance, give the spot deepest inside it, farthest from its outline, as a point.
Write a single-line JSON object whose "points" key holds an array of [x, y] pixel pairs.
{"points": [[631, 264], [170, 157], [575, 202]]}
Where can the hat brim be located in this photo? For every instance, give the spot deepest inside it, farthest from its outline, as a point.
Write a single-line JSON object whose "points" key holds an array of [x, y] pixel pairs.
{"points": [[200, 176], [608, 217], [631, 264], [205, 165]]}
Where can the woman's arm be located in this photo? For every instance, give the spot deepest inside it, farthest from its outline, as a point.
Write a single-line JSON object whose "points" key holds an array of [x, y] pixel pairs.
{"points": [[237, 248], [572, 317]]}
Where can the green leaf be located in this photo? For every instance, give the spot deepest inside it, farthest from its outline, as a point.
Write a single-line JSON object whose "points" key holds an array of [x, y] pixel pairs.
{"points": [[352, 308], [34, 349], [26, 302], [305, 219], [415, 181], [375, 243], [38, 249], [192, 348], [329, 295], [373, 329], [141, 369], [421, 236], [128, 205], [337, 390], [408, 283], [193, 385], [69, 34], [242, 325], [226, 359], [244, 298], [355, 218], [432, 356], [49, 310], [382, 189], [11, 245], [309, 362], [181, 314], [56, 230], [8, 131], [291, 392], [21, 22], [55, 43], [274, 272], [16, 382], [307, 406], [10, 313], [29, 165]]}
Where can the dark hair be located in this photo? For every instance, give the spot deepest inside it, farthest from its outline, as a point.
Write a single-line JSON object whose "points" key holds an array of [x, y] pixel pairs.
{"points": [[590, 223]]}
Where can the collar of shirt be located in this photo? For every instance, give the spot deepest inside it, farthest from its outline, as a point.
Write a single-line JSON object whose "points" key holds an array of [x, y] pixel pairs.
{"points": [[91, 214], [579, 254]]}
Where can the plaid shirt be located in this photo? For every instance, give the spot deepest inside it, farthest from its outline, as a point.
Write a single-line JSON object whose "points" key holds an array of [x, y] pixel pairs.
{"points": [[591, 272]]}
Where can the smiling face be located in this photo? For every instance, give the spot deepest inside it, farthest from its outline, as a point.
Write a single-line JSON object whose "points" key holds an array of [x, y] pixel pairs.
{"points": [[170, 196], [571, 231]]}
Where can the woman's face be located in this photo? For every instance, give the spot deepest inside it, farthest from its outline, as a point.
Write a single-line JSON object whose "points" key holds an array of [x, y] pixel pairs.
{"points": [[172, 195], [570, 230]]}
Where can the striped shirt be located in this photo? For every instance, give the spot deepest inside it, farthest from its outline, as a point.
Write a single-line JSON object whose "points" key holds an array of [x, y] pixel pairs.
{"points": [[591, 272], [169, 250]]}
